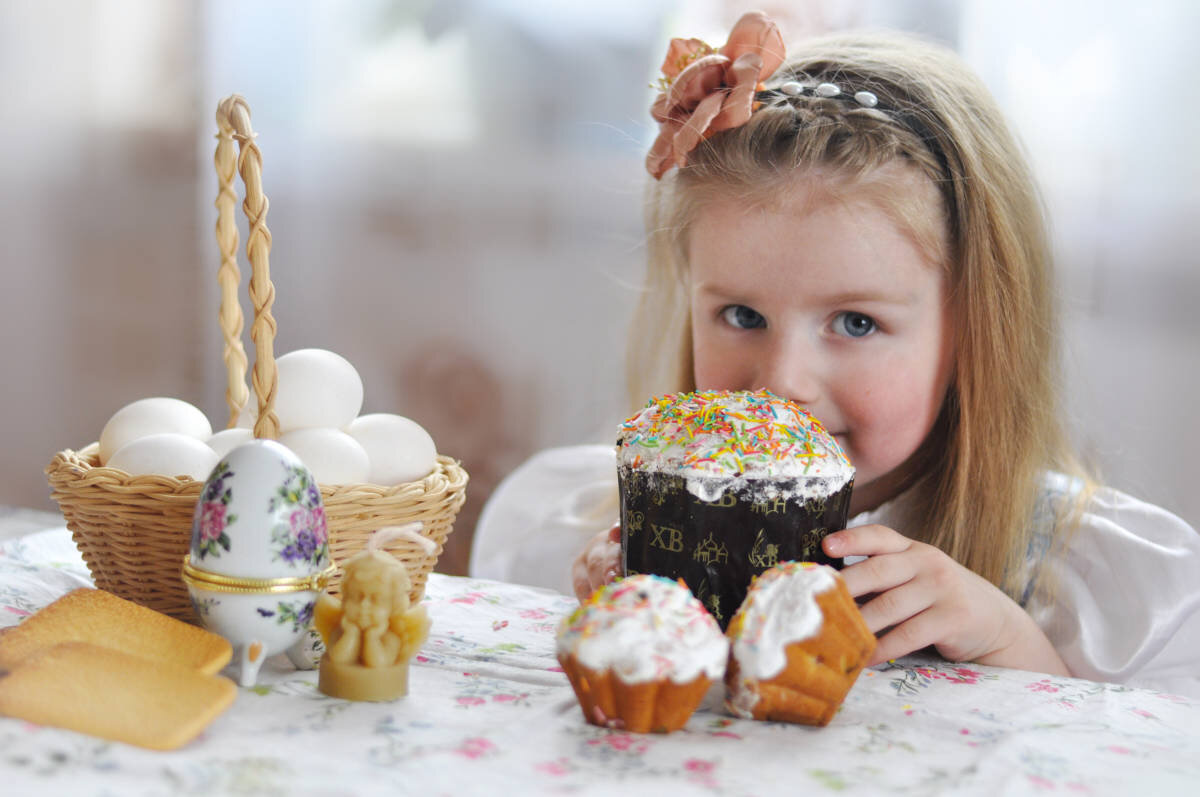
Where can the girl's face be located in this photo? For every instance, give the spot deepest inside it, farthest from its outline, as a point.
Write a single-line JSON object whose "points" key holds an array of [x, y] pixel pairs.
{"points": [[833, 305]]}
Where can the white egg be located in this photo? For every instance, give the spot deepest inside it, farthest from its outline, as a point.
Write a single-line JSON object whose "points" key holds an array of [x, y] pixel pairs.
{"points": [[226, 440], [333, 456], [316, 388], [400, 450], [165, 454], [152, 416]]}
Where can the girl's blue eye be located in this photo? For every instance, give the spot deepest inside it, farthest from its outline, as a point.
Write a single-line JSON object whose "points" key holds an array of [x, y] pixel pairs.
{"points": [[854, 325], [743, 317]]}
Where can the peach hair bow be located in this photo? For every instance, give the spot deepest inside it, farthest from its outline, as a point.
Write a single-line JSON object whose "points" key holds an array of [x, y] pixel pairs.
{"points": [[706, 90]]}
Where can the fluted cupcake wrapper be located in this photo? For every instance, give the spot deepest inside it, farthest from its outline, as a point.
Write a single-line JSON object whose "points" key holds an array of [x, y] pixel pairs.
{"points": [[658, 706]]}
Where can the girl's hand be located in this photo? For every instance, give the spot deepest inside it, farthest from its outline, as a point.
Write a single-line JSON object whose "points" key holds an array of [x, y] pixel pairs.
{"points": [[599, 563], [926, 598]]}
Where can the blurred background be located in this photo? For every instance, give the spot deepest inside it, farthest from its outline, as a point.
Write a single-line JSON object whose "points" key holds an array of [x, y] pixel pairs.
{"points": [[455, 192]]}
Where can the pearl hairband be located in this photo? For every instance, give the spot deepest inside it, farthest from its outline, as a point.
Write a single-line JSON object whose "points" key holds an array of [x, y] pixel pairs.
{"points": [[794, 88], [913, 121]]}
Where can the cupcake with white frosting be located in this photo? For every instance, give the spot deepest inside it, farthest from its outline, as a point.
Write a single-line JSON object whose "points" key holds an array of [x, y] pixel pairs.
{"points": [[641, 653], [718, 486], [798, 643]]}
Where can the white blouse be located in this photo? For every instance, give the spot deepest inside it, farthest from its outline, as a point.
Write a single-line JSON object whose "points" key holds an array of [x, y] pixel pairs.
{"points": [[1126, 586]]}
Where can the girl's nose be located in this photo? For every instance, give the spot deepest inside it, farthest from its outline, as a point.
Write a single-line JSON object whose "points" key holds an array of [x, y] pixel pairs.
{"points": [[792, 370]]}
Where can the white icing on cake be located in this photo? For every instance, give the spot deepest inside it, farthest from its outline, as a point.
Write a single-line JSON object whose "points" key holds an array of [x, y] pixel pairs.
{"points": [[721, 440], [645, 628], [780, 608]]}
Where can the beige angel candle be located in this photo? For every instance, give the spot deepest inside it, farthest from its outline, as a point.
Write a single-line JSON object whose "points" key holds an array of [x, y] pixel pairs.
{"points": [[371, 632]]}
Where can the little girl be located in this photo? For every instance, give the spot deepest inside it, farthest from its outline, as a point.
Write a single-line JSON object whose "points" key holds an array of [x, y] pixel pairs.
{"points": [[854, 228]]}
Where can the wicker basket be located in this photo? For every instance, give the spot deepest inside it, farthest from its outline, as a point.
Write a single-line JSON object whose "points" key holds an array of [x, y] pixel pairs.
{"points": [[134, 531]]}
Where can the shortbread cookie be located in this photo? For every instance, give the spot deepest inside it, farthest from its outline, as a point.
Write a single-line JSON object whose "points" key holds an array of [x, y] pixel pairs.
{"points": [[101, 618], [114, 695]]}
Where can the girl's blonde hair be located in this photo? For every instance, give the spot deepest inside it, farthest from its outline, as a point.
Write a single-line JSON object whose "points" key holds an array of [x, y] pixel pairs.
{"points": [[999, 426]]}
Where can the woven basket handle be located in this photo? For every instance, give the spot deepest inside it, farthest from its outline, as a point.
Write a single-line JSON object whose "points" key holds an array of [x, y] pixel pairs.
{"points": [[233, 122]]}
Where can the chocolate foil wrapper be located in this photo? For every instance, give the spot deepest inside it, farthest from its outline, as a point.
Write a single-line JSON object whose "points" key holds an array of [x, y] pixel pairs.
{"points": [[717, 547]]}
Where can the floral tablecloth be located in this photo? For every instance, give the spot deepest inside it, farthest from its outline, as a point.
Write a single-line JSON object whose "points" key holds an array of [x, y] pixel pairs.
{"points": [[490, 712]]}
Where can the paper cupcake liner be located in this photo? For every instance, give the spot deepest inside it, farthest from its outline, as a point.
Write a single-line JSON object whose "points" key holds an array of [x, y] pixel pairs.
{"points": [[650, 707]]}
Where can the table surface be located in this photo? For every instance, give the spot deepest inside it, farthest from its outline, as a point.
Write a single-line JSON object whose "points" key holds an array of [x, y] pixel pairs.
{"points": [[490, 712]]}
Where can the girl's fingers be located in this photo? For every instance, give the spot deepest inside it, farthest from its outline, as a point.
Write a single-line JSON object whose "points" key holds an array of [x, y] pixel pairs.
{"points": [[879, 573], [579, 577], [598, 564], [870, 540], [606, 568], [595, 565], [604, 560], [896, 606], [913, 634]]}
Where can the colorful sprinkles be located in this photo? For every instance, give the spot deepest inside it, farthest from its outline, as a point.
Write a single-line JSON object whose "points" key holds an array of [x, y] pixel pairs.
{"points": [[645, 627], [726, 433]]}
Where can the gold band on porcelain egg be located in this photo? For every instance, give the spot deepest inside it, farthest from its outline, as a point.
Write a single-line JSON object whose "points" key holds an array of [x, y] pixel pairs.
{"points": [[217, 582]]}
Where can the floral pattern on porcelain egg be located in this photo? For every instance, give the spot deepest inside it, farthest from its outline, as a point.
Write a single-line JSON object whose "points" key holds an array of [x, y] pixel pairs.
{"points": [[260, 515], [300, 534], [212, 515]]}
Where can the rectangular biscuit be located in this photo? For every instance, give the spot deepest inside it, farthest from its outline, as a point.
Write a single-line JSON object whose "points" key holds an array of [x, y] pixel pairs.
{"points": [[99, 617], [114, 695]]}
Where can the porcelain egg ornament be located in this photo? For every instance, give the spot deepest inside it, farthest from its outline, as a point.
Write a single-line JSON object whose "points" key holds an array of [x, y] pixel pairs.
{"points": [[260, 552]]}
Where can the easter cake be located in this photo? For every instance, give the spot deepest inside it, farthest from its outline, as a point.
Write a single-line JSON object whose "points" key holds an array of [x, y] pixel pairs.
{"points": [[718, 486], [798, 642], [641, 653]]}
